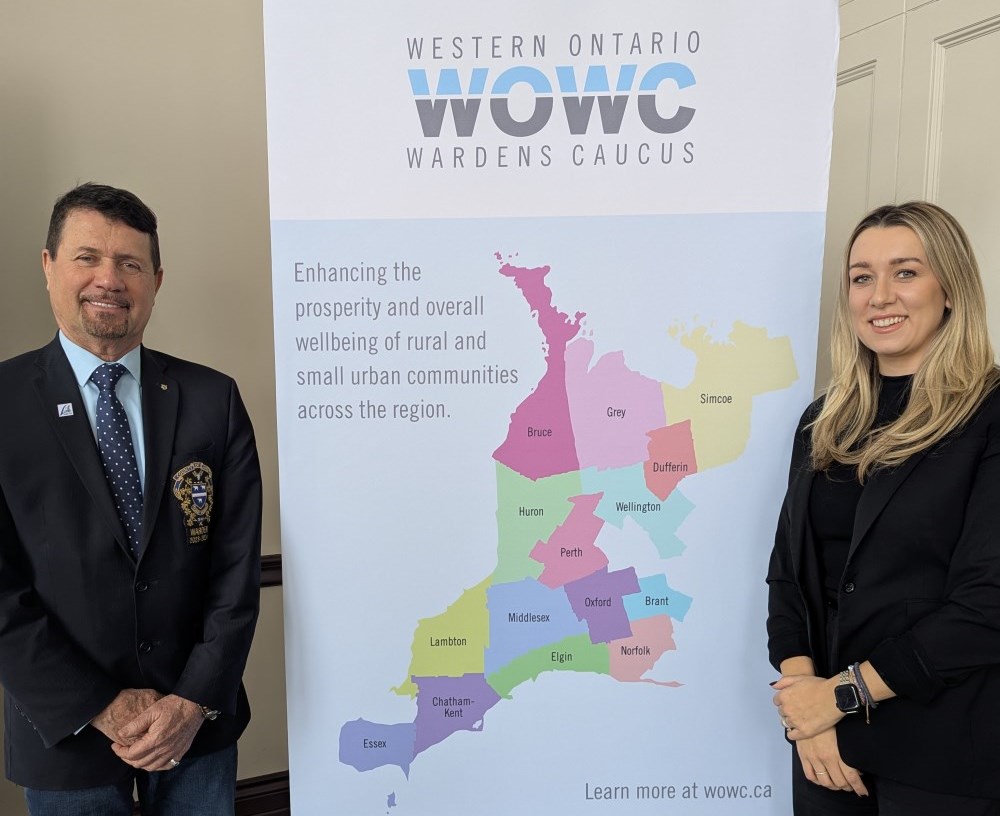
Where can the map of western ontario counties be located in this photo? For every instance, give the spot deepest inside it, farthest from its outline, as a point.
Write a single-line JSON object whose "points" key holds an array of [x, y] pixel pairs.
{"points": [[593, 444]]}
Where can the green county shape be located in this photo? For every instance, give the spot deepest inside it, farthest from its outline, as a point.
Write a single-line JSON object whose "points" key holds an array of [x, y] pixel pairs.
{"points": [[517, 535], [587, 657], [466, 618]]}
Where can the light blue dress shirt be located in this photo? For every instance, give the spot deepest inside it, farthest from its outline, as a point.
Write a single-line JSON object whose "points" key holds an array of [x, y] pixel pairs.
{"points": [[129, 390]]}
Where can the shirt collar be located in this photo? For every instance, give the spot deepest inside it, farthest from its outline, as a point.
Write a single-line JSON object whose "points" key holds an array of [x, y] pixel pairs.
{"points": [[84, 362]]}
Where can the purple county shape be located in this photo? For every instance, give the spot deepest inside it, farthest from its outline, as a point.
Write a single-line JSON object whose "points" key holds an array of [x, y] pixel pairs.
{"points": [[366, 745], [597, 599], [449, 704]]}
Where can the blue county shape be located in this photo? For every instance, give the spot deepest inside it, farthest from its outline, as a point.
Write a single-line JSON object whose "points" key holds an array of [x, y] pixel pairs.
{"points": [[367, 745], [509, 639], [626, 495], [655, 586]]}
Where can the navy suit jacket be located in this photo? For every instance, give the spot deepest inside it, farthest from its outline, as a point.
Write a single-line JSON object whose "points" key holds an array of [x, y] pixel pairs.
{"points": [[80, 618], [919, 597]]}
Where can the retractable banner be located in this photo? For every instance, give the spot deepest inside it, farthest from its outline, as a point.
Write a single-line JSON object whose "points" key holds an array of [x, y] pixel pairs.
{"points": [[546, 284]]}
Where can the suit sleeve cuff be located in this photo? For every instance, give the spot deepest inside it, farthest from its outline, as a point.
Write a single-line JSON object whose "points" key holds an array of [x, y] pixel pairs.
{"points": [[782, 647], [904, 669]]}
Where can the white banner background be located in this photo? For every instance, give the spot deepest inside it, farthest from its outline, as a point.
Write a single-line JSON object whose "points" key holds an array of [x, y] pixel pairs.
{"points": [[703, 273]]}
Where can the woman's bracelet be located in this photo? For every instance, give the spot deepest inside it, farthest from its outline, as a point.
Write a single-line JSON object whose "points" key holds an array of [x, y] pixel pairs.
{"points": [[856, 671]]}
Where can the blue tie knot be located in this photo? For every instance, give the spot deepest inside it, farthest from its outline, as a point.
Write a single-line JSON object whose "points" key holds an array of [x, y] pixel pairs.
{"points": [[106, 376]]}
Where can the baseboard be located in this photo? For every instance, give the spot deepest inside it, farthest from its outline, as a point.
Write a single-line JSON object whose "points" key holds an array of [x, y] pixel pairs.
{"points": [[265, 795], [270, 570]]}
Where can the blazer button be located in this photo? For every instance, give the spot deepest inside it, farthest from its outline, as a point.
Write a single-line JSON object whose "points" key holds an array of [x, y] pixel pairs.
{"points": [[145, 647], [849, 587], [142, 586]]}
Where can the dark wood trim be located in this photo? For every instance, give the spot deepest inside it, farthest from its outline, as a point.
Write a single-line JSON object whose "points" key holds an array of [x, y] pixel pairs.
{"points": [[265, 795], [270, 570]]}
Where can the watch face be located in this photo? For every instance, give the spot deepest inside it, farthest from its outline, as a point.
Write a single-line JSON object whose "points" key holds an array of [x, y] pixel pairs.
{"points": [[847, 698]]}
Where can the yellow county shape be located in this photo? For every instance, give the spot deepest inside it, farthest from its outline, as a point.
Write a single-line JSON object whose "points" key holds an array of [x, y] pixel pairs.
{"points": [[749, 363], [465, 620]]}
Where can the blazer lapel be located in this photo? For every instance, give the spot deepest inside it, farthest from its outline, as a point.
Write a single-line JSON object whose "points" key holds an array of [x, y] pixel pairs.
{"points": [[805, 562], [56, 386], [879, 489], [160, 398], [798, 503]]}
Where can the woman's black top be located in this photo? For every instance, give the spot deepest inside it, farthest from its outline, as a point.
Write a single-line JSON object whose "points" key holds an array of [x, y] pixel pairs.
{"points": [[833, 501]]}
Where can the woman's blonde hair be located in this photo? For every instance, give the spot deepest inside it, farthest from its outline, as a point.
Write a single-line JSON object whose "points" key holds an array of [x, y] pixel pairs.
{"points": [[954, 377]]}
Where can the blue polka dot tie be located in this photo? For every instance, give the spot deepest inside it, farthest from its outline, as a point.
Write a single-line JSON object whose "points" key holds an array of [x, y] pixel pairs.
{"points": [[114, 440]]}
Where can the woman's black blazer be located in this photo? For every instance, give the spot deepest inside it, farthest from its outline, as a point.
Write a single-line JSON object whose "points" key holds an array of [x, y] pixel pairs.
{"points": [[919, 597]]}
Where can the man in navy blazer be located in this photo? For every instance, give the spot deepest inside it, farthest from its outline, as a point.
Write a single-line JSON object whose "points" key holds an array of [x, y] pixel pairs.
{"points": [[122, 650]]}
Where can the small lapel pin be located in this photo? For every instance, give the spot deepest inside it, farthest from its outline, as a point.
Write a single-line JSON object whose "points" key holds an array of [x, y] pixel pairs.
{"points": [[65, 409], [163, 386]]}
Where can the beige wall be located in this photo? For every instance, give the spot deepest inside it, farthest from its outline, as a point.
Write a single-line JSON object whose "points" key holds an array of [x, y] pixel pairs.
{"points": [[915, 117], [166, 99]]}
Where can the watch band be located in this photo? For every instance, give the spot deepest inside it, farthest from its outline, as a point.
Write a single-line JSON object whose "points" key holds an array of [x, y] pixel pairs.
{"points": [[209, 713]]}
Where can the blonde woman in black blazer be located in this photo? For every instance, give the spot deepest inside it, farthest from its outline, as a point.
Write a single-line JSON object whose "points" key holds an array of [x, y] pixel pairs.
{"points": [[884, 606]]}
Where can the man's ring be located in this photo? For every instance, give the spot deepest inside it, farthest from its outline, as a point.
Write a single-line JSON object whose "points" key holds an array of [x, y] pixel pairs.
{"points": [[784, 723], [174, 763], [820, 773]]}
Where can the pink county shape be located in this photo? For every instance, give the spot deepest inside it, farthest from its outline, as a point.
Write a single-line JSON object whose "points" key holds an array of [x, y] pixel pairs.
{"points": [[629, 660], [612, 408], [570, 553], [540, 438], [671, 458]]}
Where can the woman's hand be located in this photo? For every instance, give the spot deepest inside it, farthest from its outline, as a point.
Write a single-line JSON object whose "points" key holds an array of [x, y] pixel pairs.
{"points": [[806, 705], [823, 766]]}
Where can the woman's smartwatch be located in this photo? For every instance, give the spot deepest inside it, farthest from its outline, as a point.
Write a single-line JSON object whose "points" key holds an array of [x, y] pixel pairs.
{"points": [[847, 698]]}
